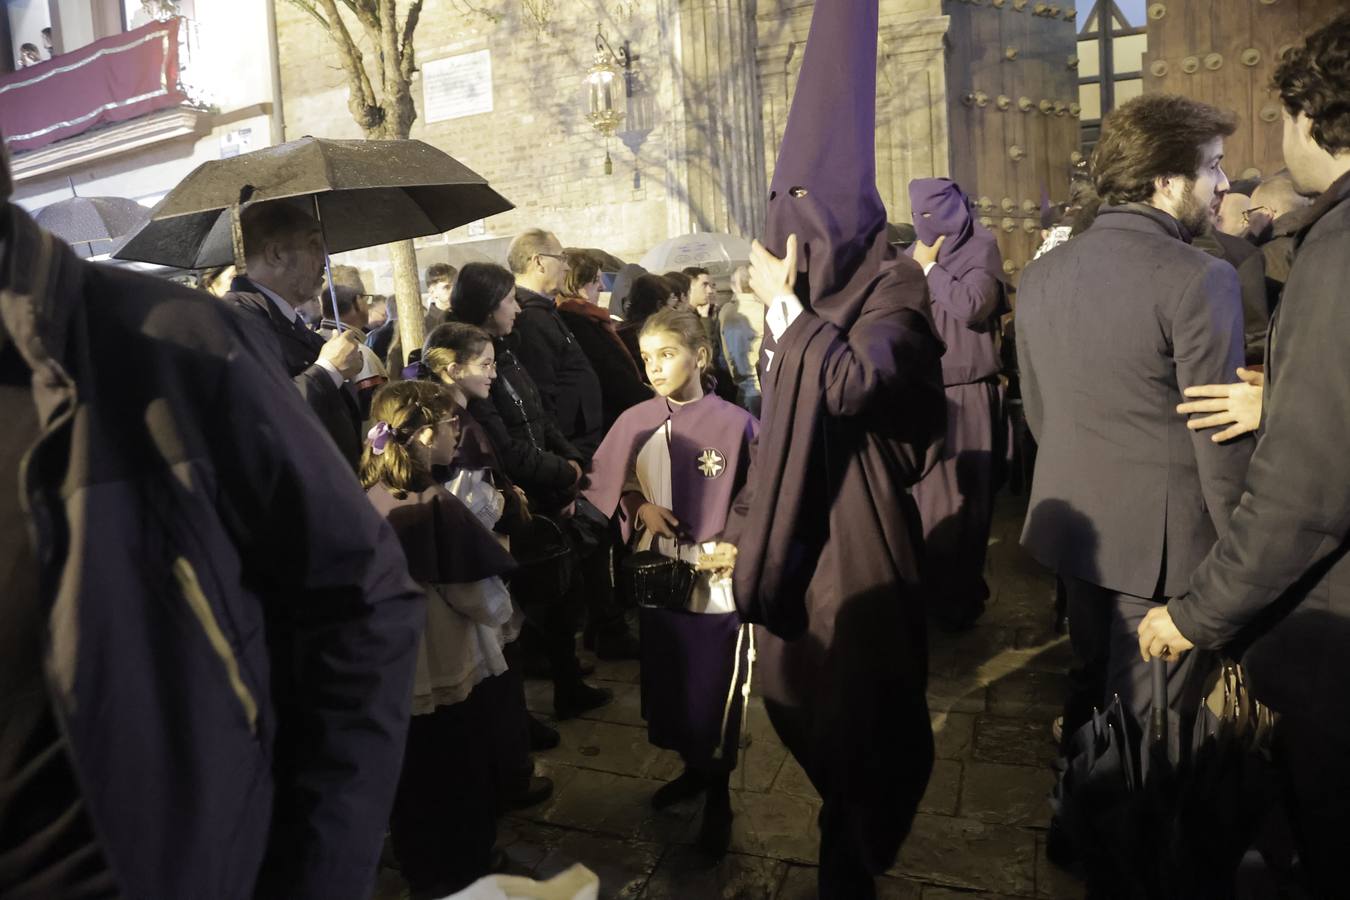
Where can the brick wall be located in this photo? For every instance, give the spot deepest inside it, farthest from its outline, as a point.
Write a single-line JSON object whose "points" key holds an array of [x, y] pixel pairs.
{"points": [[536, 147]]}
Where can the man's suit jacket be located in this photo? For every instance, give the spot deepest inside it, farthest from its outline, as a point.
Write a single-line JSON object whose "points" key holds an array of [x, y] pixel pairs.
{"points": [[1110, 328], [298, 349], [1278, 585]]}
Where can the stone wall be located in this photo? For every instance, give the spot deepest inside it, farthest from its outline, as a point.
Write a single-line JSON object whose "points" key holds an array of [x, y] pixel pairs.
{"points": [[712, 84]]}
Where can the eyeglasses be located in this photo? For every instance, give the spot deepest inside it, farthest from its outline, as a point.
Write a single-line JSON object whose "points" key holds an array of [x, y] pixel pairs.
{"points": [[1251, 211], [452, 421], [489, 366], [558, 256]]}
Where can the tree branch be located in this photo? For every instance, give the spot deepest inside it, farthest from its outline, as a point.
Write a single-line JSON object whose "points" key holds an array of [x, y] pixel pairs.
{"points": [[308, 6], [362, 103], [389, 60], [407, 57]]}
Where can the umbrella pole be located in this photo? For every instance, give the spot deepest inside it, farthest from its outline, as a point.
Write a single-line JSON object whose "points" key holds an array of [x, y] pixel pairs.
{"points": [[1158, 712], [327, 268]]}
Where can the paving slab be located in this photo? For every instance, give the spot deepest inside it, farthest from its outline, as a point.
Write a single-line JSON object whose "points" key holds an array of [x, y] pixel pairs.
{"points": [[1014, 741], [800, 884], [953, 734], [956, 655], [1007, 795], [687, 872], [624, 866], [1029, 694], [944, 788], [777, 825], [604, 746], [965, 694], [620, 806], [966, 853]]}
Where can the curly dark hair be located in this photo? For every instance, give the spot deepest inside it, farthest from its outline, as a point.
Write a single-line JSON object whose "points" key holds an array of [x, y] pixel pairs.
{"points": [[1153, 136], [1314, 79]]}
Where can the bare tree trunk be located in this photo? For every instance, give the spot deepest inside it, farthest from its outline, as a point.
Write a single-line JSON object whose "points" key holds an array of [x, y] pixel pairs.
{"points": [[408, 295], [386, 114]]}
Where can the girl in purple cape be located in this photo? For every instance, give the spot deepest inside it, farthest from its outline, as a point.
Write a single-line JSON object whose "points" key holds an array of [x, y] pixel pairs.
{"points": [[961, 260], [670, 468], [444, 821]]}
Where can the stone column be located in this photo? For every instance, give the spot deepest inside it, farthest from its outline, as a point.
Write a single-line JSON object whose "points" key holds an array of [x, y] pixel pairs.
{"points": [[912, 125], [715, 172]]}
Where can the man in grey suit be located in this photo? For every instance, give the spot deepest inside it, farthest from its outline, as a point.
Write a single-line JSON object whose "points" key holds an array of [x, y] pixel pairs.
{"points": [[1276, 588], [1111, 327]]}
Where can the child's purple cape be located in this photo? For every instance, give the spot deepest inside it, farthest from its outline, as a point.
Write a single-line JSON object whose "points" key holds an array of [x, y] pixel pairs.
{"points": [[443, 541], [709, 455]]}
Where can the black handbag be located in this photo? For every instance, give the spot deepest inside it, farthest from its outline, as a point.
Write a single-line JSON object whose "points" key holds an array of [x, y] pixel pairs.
{"points": [[652, 579], [545, 561]]}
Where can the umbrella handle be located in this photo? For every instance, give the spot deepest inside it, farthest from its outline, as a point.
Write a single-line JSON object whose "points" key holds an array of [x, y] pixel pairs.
{"points": [[1158, 712]]}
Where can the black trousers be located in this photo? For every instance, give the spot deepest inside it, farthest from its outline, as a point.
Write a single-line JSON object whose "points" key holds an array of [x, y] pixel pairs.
{"points": [[1312, 762], [1104, 633], [444, 820]]}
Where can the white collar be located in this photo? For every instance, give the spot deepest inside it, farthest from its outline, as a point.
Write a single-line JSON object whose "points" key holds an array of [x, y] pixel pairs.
{"points": [[286, 309]]}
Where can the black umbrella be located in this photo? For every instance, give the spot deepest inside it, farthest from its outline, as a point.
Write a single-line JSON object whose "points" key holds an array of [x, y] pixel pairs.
{"points": [[1109, 802], [1153, 817], [91, 221], [364, 193]]}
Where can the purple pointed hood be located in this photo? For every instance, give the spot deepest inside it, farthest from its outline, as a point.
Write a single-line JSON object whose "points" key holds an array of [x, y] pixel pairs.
{"points": [[939, 207], [824, 184]]}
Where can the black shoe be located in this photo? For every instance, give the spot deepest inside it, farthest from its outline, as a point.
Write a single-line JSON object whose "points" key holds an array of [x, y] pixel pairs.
{"points": [[689, 784], [536, 791], [541, 736], [714, 835], [570, 702], [618, 645]]}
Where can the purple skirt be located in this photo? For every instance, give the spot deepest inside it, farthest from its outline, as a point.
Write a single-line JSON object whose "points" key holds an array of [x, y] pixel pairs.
{"points": [[688, 664]]}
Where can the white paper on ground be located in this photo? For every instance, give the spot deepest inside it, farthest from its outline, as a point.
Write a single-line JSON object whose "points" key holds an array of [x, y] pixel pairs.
{"points": [[577, 883]]}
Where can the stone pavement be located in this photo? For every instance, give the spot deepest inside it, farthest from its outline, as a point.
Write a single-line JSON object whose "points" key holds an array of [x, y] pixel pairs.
{"points": [[981, 827]]}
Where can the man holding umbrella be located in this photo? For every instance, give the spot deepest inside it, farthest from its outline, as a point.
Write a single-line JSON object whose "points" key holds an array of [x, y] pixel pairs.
{"points": [[283, 250]]}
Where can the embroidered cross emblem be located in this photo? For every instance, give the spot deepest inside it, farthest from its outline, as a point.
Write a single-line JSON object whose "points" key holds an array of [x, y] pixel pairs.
{"points": [[711, 463]]}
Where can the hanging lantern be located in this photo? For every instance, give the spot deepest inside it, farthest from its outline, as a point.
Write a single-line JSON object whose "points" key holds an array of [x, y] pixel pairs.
{"points": [[605, 98]]}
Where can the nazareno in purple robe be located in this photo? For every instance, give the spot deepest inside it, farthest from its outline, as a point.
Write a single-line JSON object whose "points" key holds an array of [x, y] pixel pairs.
{"points": [[693, 664], [828, 535], [956, 498]]}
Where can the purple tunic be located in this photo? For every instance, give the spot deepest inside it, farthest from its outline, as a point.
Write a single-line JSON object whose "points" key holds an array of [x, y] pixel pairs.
{"points": [[956, 498], [693, 664]]}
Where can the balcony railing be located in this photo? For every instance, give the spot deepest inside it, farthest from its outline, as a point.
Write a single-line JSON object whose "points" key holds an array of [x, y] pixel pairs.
{"points": [[112, 80]]}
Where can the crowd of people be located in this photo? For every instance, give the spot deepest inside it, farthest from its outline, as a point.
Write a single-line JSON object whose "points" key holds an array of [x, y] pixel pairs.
{"points": [[780, 487]]}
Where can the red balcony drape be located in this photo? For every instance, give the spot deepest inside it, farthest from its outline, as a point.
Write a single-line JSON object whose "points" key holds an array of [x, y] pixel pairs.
{"points": [[111, 80]]}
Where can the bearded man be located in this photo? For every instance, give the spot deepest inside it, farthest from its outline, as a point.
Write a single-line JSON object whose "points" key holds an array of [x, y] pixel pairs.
{"points": [[1111, 328]]}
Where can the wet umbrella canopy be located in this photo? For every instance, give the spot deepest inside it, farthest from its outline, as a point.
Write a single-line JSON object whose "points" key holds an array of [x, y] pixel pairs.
{"points": [[368, 193], [90, 221]]}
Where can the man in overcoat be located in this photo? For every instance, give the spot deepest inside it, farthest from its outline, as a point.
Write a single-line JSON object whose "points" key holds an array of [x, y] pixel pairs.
{"points": [[284, 255], [1276, 589]]}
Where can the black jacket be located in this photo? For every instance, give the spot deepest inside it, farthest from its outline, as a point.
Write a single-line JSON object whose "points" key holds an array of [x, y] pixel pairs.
{"points": [[1277, 586], [231, 629], [531, 448], [621, 385], [559, 367], [298, 350], [1246, 257]]}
